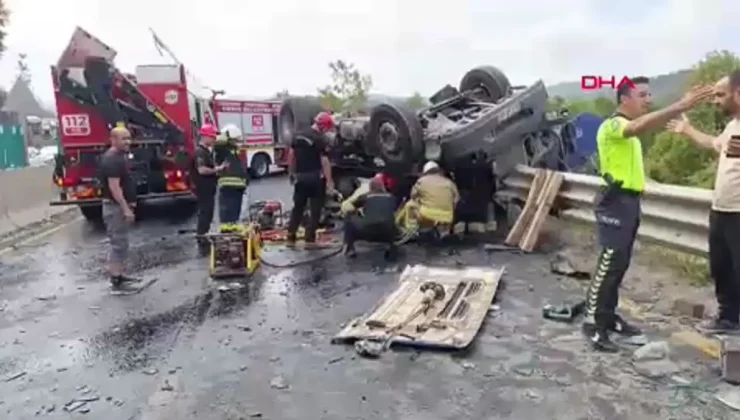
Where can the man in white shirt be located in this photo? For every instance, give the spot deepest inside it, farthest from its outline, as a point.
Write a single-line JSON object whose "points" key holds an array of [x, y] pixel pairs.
{"points": [[724, 219]]}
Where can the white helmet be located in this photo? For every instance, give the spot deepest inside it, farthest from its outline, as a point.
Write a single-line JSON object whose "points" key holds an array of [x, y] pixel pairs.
{"points": [[231, 132], [430, 166]]}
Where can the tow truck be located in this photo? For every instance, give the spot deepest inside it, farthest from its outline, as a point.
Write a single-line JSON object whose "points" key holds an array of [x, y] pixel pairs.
{"points": [[92, 96]]}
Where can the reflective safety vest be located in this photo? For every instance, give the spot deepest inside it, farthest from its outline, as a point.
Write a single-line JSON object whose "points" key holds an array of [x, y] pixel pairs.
{"points": [[235, 176], [620, 157]]}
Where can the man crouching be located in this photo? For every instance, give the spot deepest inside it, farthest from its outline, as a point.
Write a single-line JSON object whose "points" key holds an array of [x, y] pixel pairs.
{"points": [[376, 223]]}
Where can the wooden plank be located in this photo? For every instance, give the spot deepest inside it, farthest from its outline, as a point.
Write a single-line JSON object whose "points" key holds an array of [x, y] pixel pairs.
{"points": [[530, 206], [548, 197]]}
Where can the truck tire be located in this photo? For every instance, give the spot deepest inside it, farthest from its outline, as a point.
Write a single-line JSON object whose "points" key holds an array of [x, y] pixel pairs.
{"points": [[488, 82], [402, 149], [296, 114], [93, 214], [259, 167]]}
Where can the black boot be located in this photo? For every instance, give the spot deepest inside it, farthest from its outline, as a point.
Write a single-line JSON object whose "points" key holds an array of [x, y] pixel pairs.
{"points": [[599, 339], [622, 327]]}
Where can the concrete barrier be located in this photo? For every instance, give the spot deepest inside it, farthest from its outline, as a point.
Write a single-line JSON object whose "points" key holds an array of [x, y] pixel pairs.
{"points": [[24, 197]]}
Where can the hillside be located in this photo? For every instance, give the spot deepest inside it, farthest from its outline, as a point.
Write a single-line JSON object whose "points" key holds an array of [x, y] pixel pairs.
{"points": [[665, 87]]}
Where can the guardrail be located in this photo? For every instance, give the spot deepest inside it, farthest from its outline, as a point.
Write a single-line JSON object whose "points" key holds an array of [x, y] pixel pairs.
{"points": [[673, 216]]}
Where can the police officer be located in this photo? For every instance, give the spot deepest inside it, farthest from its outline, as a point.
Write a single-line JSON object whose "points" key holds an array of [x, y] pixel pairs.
{"points": [[232, 181], [205, 180], [617, 205], [310, 173]]}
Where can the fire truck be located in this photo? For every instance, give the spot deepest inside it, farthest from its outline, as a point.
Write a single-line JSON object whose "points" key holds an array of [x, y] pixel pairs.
{"points": [[154, 103], [257, 121]]}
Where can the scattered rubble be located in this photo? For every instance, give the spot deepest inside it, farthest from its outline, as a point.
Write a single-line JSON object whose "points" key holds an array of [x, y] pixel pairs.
{"points": [[688, 308], [279, 382], [562, 266], [656, 350], [656, 368]]}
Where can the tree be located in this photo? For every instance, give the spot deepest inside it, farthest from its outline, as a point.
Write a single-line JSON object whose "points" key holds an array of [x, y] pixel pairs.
{"points": [[4, 19], [24, 72], [416, 101], [283, 94], [676, 160], [348, 90]]}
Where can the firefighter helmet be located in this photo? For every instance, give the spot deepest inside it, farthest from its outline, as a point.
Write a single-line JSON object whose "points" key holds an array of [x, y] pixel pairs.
{"points": [[430, 166], [324, 122], [208, 130], [231, 132]]}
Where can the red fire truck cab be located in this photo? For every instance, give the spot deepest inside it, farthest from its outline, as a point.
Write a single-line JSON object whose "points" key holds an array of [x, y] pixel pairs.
{"points": [[92, 96]]}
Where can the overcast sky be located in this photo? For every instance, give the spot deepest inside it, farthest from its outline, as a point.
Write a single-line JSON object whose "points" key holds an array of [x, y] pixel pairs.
{"points": [[255, 48]]}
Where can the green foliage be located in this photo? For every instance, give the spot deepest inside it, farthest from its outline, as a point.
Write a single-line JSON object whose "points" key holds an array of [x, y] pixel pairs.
{"points": [[671, 158], [348, 90], [416, 101]]}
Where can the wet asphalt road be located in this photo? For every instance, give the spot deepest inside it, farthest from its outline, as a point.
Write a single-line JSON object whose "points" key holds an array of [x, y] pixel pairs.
{"points": [[181, 350]]}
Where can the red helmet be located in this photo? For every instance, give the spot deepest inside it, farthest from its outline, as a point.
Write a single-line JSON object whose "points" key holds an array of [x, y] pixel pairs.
{"points": [[208, 130], [324, 122]]}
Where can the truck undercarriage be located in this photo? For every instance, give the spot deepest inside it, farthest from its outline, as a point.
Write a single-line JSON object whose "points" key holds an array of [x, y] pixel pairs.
{"points": [[484, 125]]}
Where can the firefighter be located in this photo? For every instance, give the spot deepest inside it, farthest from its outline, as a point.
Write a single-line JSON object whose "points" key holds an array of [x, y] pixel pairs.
{"points": [[310, 173], [232, 181], [617, 205], [433, 198], [206, 181], [376, 223]]}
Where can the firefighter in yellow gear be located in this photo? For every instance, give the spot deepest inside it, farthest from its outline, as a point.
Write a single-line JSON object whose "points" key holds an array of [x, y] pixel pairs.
{"points": [[233, 180], [432, 201]]}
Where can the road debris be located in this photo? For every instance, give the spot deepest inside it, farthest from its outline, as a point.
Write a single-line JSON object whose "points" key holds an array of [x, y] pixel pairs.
{"points": [[167, 386], [565, 312], [369, 348], [15, 376], [656, 350], [562, 266], [336, 360], [656, 368], [500, 247], [729, 396], [688, 308], [279, 382]]}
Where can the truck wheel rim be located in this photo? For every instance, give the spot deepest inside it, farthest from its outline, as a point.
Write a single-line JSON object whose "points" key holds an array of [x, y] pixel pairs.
{"points": [[389, 140], [261, 168]]}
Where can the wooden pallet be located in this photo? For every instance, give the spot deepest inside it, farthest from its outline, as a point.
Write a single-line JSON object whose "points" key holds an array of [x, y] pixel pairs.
{"points": [[526, 231]]}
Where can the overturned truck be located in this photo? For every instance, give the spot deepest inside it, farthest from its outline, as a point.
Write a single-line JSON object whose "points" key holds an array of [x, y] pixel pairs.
{"points": [[484, 122]]}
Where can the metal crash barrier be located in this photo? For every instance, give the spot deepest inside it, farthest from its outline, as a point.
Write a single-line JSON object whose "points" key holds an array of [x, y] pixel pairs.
{"points": [[674, 216]]}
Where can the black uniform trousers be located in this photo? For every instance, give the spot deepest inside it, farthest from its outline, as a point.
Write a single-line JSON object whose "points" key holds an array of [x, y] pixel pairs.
{"points": [[206, 196], [617, 220], [359, 228], [724, 262], [309, 190], [230, 204]]}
